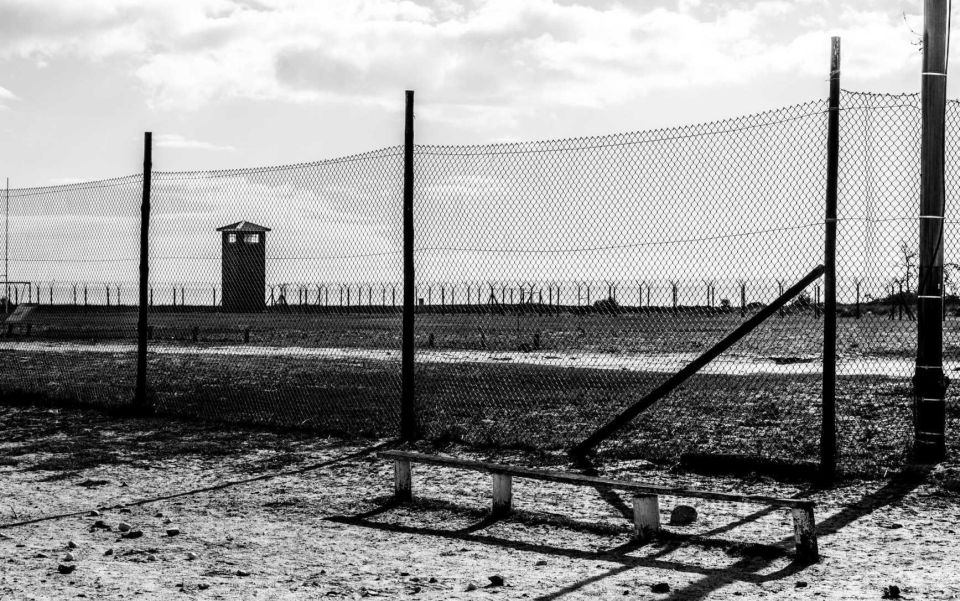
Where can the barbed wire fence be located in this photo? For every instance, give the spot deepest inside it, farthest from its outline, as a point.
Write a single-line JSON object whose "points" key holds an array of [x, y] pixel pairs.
{"points": [[557, 283]]}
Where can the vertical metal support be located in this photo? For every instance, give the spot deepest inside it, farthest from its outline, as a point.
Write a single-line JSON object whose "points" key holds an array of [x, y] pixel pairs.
{"points": [[140, 395], [402, 480], [6, 250], [502, 495], [828, 427], [646, 516], [408, 416], [930, 383], [858, 301]]}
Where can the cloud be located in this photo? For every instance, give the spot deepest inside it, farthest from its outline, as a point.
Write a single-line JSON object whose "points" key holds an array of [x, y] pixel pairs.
{"points": [[462, 55], [5, 96], [178, 141]]}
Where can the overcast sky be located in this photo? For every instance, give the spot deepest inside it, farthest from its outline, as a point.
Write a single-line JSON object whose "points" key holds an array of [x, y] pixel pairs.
{"points": [[235, 83]]}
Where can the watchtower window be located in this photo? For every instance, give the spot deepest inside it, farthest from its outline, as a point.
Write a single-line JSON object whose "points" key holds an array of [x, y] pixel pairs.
{"points": [[231, 238], [251, 238]]}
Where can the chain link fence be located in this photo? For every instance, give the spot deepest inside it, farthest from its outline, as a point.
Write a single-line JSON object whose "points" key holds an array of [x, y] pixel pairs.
{"points": [[606, 264], [557, 283]]}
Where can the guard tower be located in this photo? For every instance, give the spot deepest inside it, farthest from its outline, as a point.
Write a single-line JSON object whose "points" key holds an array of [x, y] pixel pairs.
{"points": [[244, 265]]}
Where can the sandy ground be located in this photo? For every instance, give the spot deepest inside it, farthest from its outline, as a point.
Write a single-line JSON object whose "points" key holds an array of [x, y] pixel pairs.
{"points": [[271, 515]]}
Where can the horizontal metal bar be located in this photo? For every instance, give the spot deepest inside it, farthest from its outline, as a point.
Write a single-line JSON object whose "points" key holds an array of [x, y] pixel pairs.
{"points": [[933, 73], [931, 434], [926, 400], [931, 217], [937, 296]]}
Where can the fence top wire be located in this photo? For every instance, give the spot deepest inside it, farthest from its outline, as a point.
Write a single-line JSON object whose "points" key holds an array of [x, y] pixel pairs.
{"points": [[100, 184], [380, 153], [767, 118]]}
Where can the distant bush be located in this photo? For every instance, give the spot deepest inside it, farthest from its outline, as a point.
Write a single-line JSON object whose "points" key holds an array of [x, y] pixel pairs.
{"points": [[607, 305]]}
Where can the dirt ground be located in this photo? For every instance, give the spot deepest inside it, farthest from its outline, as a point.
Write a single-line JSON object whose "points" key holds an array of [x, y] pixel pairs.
{"points": [[279, 515]]}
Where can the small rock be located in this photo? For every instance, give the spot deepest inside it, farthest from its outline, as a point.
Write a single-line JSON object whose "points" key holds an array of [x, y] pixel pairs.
{"points": [[71, 545], [41, 556], [242, 573], [132, 534], [123, 527], [159, 514], [66, 569], [432, 580], [203, 586], [660, 587], [801, 584], [94, 513], [542, 562], [167, 521], [496, 580], [191, 555], [108, 552], [69, 557], [683, 515], [100, 525], [151, 557], [470, 587], [173, 531], [891, 592]]}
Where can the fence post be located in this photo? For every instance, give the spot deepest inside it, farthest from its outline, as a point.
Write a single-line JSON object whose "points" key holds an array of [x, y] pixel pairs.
{"points": [[930, 383], [408, 415], [828, 430], [140, 395], [858, 300]]}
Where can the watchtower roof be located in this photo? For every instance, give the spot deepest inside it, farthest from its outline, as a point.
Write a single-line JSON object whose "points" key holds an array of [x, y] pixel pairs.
{"points": [[243, 226]]}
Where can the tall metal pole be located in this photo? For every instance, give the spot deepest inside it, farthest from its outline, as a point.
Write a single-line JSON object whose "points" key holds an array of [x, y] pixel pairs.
{"points": [[6, 250], [408, 416], [930, 383], [141, 384], [828, 429]]}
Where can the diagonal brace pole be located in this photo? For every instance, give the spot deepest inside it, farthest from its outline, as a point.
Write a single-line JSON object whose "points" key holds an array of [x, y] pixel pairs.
{"points": [[605, 431]]}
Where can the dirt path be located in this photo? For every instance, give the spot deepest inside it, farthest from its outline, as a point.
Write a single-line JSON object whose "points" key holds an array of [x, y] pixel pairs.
{"points": [[729, 364], [292, 517]]}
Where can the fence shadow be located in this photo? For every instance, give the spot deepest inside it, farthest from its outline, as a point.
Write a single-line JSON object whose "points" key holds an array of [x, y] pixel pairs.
{"points": [[755, 557]]}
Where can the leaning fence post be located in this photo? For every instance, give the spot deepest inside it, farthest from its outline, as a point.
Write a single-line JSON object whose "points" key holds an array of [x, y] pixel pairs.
{"points": [[828, 430], [140, 395], [408, 416]]}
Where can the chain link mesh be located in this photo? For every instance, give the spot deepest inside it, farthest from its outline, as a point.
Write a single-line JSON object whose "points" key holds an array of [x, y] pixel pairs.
{"points": [[597, 267], [71, 292], [557, 283]]}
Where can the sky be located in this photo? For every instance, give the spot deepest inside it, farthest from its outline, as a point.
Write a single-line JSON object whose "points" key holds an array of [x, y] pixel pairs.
{"points": [[241, 83], [228, 84]]}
